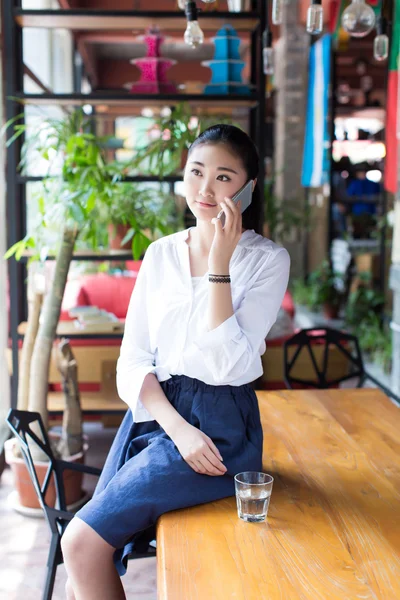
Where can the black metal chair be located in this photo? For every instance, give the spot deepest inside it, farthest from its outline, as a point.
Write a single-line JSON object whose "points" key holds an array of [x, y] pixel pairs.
{"points": [[347, 345], [20, 422]]}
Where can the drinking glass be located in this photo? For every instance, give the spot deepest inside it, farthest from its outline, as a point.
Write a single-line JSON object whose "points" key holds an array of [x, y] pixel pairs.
{"points": [[253, 494]]}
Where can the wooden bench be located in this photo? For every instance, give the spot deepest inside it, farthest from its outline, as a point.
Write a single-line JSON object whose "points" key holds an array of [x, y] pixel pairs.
{"points": [[334, 520]]}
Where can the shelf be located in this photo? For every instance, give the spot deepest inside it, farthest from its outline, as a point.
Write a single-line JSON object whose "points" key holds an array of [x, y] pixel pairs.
{"points": [[22, 179], [91, 402], [130, 20], [101, 256], [357, 199], [68, 329], [361, 246], [124, 99]]}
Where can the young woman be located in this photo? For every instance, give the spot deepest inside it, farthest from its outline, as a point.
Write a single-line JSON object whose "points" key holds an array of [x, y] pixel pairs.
{"points": [[203, 303]]}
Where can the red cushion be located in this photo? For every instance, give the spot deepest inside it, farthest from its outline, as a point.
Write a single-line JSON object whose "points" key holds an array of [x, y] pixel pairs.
{"points": [[133, 265], [288, 304], [108, 292]]}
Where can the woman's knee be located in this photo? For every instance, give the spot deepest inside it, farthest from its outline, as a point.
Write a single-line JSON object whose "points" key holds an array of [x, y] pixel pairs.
{"points": [[73, 541], [80, 545]]}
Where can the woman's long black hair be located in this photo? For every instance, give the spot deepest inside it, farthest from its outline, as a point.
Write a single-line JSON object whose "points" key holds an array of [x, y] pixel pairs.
{"points": [[242, 146]]}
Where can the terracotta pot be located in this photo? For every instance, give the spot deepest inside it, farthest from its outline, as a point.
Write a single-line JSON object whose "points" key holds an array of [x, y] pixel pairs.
{"points": [[26, 492], [330, 312], [116, 234]]}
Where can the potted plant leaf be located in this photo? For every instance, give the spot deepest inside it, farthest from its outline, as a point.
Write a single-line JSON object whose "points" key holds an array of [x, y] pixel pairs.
{"points": [[282, 218], [139, 214], [170, 137], [325, 291]]}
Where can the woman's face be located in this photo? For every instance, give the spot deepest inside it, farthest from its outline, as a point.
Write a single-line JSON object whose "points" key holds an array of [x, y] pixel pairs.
{"points": [[211, 174]]}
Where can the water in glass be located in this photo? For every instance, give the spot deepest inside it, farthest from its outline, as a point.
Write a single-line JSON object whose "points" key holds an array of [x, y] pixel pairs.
{"points": [[253, 504]]}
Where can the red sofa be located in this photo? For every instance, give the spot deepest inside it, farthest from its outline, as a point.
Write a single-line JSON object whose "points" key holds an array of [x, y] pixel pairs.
{"points": [[113, 292]]}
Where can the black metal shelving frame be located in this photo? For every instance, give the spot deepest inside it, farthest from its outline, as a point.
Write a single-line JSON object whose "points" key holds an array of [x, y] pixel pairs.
{"points": [[15, 19]]}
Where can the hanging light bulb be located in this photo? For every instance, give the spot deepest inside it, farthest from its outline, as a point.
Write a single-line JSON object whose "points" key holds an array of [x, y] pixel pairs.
{"points": [[193, 35], [277, 12], [268, 53], [381, 42], [315, 18], [358, 19]]}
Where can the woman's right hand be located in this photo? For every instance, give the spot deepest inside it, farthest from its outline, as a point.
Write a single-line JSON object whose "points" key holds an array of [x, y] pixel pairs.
{"points": [[199, 451]]}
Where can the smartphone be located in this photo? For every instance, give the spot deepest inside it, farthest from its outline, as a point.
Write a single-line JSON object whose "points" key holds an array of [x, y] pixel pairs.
{"points": [[245, 194]]}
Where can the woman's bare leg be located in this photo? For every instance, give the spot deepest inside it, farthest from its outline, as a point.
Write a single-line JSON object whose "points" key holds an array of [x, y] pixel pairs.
{"points": [[89, 563], [69, 592]]}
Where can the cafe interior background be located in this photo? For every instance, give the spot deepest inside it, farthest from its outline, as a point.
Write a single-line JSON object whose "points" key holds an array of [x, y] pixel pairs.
{"points": [[316, 85]]}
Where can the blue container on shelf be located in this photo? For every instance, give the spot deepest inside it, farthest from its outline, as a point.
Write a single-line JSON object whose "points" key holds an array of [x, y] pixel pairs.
{"points": [[227, 88], [226, 66], [225, 70], [226, 44]]}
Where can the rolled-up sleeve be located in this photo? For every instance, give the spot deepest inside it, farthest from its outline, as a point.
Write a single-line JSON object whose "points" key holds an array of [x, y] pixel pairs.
{"points": [[230, 348], [136, 359]]}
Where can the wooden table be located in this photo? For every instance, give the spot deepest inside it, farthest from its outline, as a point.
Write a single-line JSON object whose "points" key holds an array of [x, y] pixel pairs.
{"points": [[333, 528]]}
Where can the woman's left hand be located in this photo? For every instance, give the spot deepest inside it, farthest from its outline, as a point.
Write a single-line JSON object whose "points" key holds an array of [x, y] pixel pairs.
{"points": [[225, 239]]}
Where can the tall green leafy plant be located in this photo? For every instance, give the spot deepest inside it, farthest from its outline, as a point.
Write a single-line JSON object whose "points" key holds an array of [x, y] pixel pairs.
{"points": [[282, 217], [170, 137], [143, 210], [324, 288], [70, 204]]}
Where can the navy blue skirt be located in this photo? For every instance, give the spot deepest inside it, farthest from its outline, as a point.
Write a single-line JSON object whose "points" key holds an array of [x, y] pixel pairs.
{"points": [[145, 476]]}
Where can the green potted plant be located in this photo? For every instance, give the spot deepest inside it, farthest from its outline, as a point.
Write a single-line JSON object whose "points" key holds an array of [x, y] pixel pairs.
{"points": [[325, 291], [69, 206], [375, 340], [170, 137], [301, 292], [281, 218], [138, 215], [363, 311]]}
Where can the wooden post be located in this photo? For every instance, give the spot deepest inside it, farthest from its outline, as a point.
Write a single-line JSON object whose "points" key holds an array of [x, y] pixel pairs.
{"points": [[71, 437]]}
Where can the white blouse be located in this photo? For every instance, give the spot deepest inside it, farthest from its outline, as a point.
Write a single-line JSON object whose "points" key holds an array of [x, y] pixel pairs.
{"points": [[166, 325]]}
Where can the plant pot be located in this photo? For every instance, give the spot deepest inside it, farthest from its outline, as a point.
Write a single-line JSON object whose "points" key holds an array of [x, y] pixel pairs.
{"points": [[116, 234], [330, 311], [27, 496]]}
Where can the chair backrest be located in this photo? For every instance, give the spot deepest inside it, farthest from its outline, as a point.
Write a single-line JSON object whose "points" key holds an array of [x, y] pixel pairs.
{"points": [[28, 427], [306, 342]]}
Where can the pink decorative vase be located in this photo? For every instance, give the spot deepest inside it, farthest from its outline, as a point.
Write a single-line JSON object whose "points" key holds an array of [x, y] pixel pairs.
{"points": [[153, 68]]}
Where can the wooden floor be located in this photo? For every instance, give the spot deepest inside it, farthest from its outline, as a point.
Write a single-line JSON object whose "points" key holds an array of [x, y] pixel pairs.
{"points": [[24, 543]]}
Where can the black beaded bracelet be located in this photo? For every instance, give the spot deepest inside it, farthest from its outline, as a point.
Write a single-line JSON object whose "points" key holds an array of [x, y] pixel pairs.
{"points": [[219, 279]]}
